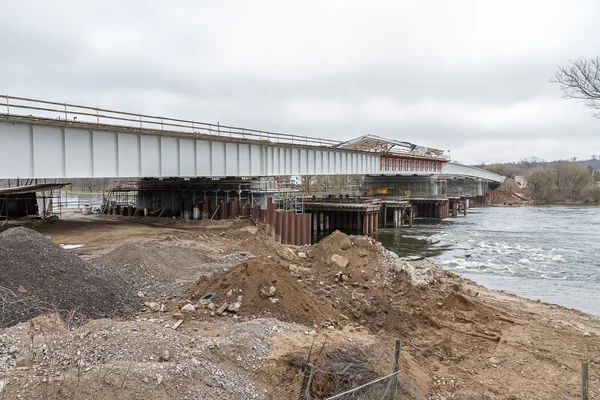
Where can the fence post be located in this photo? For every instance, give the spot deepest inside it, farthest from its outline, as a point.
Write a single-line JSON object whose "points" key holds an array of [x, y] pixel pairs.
{"points": [[397, 352], [584, 380], [306, 381]]}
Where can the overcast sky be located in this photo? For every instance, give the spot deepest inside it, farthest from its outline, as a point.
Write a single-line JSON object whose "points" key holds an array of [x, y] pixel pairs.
{"points": [[466, 76]]}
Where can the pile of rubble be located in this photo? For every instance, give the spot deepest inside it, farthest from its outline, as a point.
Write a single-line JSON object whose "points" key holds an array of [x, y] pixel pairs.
{"points": [[38, 276]]}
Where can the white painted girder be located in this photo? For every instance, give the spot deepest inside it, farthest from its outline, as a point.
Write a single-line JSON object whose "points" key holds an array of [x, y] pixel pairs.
{"points": [[53, 151], [460, 170]]}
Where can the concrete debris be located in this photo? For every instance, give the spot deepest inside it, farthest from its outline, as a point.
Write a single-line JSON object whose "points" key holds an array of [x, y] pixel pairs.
{"points": [[340, 261], [176, 324], [419, 276], [289, 253], [188, 308], [302, 255], [268, 291], [346, 244], [274, 300], [205, 303], [222, 309], [234, 307], [140, 294], [152, 305]]}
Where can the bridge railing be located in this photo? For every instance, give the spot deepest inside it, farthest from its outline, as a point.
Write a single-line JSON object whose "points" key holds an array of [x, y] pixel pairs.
{"points": [[22, 106]]}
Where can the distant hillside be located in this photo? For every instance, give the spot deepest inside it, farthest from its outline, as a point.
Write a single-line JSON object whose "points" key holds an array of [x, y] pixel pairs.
{"points": [[595, 164], [522, 167]]}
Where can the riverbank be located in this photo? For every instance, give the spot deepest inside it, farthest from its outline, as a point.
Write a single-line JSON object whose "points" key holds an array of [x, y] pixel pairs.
{"points": [[460, 340], [548, 253]]}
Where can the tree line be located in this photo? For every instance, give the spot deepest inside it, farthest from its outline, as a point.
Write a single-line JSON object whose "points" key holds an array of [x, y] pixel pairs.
{"points": [[562, 181]]}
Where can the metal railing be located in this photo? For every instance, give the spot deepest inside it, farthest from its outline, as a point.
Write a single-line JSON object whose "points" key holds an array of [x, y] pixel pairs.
{"points": [[95, 115]]}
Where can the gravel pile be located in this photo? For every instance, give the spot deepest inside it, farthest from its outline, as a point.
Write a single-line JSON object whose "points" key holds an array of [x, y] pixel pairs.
{"points": [[38, 276], [142, 360], [156, 270]]}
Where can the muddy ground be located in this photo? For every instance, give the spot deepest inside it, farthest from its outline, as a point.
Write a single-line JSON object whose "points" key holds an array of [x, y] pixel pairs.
{"points": [[284, 305]]}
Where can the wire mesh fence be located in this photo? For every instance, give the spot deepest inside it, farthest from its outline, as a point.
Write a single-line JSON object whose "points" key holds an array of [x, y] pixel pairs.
{"points": [[354, 376], [380, 389], [18, 307]]}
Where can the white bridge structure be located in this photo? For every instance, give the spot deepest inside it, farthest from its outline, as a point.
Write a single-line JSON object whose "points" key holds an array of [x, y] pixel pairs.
{"points": [[44, 139]]}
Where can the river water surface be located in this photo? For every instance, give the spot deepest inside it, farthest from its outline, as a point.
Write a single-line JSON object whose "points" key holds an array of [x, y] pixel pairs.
{"points": [[547, 253]]}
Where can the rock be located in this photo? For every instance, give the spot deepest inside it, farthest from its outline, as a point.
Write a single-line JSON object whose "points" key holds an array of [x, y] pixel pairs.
{"points": [[391, 255], [21, 289], [587, 334], [344, 277], [140, 294], [339, 260], [234, 307], [419, 276], [205, 303], [222, 309], [289, 253], [159, 379], [346, 244], [274, 300], [229, 293], [302, 255], [165, 357], [493, 360], [152, 305], [188, 308], [268, 291]]}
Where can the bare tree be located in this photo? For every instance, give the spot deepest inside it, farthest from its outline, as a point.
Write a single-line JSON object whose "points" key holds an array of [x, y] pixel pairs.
{"points": [[305, 182], [580, 79], [531, 162], [571, 178], [541, 182]]}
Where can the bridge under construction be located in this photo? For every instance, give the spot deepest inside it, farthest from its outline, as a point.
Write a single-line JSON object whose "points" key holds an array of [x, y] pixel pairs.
{"points": [[191, 169]]}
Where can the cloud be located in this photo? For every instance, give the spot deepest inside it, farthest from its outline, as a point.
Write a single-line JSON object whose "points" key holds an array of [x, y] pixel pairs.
{"points": [[467, 76]]}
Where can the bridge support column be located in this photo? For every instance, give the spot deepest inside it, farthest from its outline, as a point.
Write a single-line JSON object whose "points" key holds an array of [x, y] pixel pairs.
{"points": [[359, 221]]}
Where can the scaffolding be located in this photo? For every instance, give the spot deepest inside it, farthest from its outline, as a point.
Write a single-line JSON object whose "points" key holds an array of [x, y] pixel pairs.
{"points": [[31, 202]]}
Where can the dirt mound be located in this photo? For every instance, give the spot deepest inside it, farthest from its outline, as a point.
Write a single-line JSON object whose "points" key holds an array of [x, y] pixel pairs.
{"points": [[154, 268], [254, 281], [37, 275], [362, 253], [256, 241]]}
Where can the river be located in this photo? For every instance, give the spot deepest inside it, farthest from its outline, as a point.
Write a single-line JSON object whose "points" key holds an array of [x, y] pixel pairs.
{"points": [[548, 253]]}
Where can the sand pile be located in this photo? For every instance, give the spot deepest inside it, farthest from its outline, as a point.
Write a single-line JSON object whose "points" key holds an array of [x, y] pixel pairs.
{"points": [[37, 275], [155, 269], [267, 288]]}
